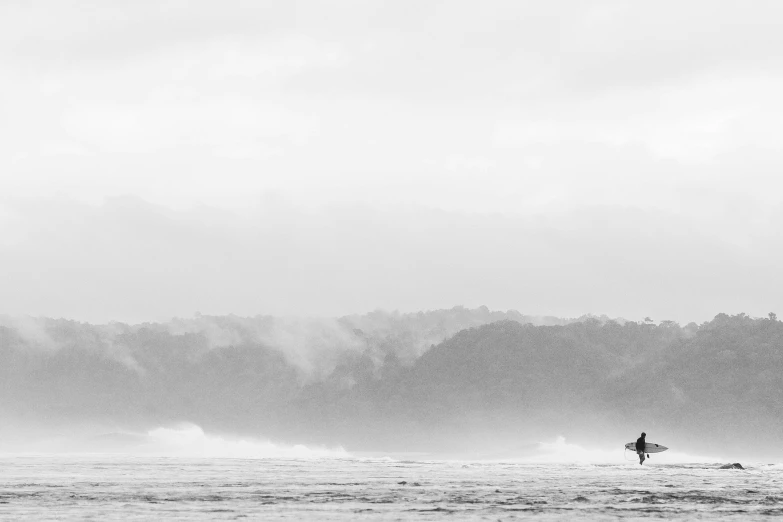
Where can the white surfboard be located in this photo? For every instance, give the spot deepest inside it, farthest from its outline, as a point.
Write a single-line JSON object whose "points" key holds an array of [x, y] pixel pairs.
{"points": [[649, 447]]}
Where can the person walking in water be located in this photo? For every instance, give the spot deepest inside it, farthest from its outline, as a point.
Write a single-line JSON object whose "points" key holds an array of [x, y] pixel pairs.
{"points": [[640, 447]]}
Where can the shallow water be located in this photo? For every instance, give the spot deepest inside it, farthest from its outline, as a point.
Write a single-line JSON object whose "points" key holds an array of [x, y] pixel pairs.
{"points": [[126, 488]]}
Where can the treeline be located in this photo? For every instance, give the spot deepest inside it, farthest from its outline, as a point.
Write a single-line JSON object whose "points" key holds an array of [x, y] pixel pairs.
{"points": [[220, 370], [452, 380]]}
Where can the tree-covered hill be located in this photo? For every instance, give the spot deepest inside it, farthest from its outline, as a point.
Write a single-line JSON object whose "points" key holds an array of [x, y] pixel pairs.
{"points": [[453, 380]]}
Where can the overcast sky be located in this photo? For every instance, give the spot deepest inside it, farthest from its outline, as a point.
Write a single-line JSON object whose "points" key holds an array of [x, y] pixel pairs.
{"points": [[159, 158]]}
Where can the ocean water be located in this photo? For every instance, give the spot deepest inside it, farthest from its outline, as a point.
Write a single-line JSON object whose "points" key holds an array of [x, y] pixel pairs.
{"points": [[96, 487]]}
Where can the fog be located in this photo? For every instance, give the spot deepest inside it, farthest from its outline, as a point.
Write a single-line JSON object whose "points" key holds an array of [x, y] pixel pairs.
{"points": [[492, 385], [325, 160], [128, 260]]}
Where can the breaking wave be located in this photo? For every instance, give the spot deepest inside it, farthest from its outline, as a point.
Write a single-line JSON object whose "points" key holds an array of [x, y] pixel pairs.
{"points": [[184, 440], [191, 441]]}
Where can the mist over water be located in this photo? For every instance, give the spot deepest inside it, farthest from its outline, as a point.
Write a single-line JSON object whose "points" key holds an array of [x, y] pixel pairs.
{"points": [[458, 383], [191, 442]]}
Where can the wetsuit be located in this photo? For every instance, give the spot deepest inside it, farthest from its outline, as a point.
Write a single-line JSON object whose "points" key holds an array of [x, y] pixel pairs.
{"points": [[640, 445]]}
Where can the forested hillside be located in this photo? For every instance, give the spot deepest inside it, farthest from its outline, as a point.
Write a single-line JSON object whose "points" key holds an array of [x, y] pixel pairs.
{"points": [[452, 380]]}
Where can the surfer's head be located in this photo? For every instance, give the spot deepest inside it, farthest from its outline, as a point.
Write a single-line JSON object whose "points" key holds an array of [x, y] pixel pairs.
{"points": [[644, 434]]}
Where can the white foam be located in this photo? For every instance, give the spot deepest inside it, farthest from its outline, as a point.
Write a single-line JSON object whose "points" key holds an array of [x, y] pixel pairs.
{"points": [[191, 441]]}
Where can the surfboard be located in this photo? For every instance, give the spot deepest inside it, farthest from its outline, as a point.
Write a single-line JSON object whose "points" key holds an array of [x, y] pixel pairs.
{"points": [[649, 447]]}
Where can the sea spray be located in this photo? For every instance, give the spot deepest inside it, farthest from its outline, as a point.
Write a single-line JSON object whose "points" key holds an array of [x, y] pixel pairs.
{"points": [[192, 441]]}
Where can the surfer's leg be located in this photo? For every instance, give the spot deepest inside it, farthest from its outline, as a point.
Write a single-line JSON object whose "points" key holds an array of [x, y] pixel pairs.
{"points": [[641, 457]]}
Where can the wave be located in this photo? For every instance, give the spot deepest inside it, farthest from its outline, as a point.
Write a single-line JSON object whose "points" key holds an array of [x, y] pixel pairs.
{"points": [[561, 452], [184, 440], [191, 441]]}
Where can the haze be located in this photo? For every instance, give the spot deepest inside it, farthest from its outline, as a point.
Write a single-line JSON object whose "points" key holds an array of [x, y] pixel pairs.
{"points": [[327, 158]]}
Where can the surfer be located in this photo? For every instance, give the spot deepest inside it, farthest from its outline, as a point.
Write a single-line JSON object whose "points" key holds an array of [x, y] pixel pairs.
{"points": [[640, 447]]}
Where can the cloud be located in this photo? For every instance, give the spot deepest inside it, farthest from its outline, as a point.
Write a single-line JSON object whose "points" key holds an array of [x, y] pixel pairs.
{"points": [[525, 109], [131, 261], [282, 58], [505, 107], [178, 98], [220, 125], [62, 148], [693, 122]]}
